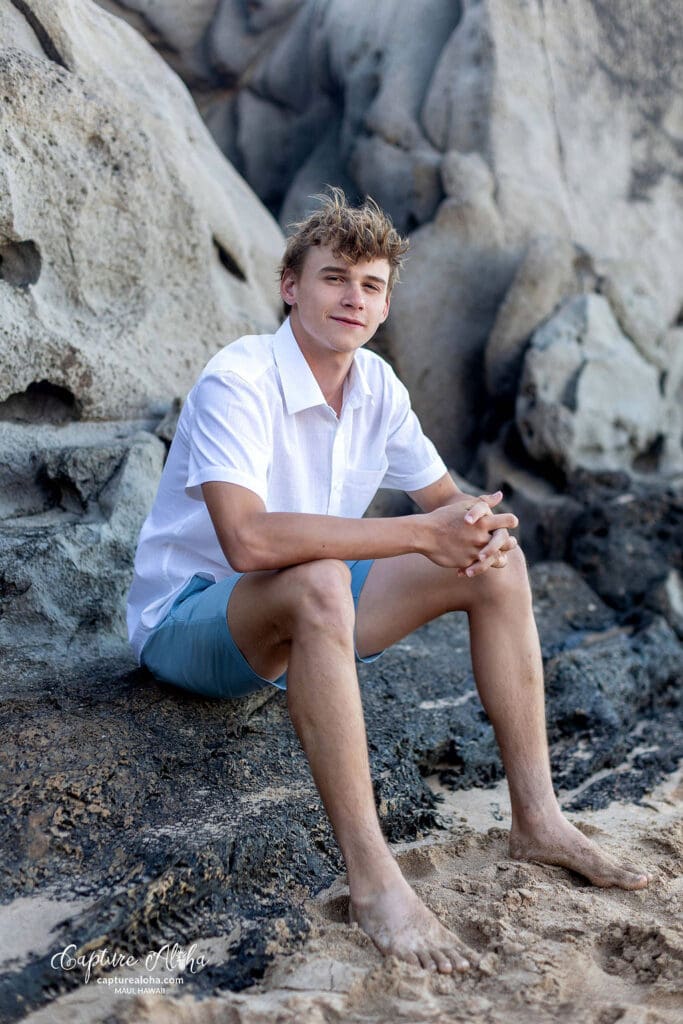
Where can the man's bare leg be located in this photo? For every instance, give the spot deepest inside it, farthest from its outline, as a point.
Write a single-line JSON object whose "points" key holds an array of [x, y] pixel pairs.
{"points": [[303, 619], [401, 594]]}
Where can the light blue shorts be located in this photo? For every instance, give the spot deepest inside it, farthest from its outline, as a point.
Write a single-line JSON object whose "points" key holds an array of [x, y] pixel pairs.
{"points": [[192, 647]]}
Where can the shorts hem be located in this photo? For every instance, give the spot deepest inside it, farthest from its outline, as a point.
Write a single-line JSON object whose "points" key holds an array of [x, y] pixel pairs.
{"points": [[220, 668]]}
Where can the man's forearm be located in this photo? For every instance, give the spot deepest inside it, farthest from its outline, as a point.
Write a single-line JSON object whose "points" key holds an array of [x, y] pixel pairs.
{"points": [[273, 540], [451, 534]]}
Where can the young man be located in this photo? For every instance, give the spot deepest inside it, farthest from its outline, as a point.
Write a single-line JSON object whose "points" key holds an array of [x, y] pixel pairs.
{"points": [[255, 568]]}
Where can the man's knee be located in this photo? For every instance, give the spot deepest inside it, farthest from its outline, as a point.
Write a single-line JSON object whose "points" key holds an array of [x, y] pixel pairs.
{"points": [[321, 595], [510, 583]]}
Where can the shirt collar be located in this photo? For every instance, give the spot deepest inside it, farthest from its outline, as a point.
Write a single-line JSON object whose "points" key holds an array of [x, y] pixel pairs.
{"points": [[299, 386], [357, 387]]}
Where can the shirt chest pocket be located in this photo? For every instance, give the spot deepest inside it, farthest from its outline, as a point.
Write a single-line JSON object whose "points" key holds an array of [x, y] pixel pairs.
{"points": [[360, 487]]}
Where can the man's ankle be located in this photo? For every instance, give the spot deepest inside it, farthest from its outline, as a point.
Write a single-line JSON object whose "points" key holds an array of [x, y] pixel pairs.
{"points": [[533, 818], [372, 876]]}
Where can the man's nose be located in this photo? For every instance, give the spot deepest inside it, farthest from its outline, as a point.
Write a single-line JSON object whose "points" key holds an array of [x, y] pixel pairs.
{"points": [[353, 294]]}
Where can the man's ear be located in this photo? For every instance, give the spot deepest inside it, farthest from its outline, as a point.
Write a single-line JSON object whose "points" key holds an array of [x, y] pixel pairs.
{"points": [[385, 312], [288, 287]]}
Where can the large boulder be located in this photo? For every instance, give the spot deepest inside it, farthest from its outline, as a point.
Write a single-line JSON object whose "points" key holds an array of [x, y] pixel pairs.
{"points": [[572, 108], [588, 399], [580, 133], [130, 249], [444, 310]]}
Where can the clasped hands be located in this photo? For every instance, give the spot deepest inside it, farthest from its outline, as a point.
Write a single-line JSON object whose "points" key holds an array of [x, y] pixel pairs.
{"points": [[470, 536]]}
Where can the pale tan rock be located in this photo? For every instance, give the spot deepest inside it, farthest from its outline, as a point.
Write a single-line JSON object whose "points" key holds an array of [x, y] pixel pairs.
{"points": [[671, 382], [570, 109], [570, 103], [546, 276], [131, 249], [444, 309], [636, 309], [587, 398]]}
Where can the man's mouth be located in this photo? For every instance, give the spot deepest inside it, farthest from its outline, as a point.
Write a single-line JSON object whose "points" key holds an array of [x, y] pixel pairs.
{"points": [[348, 320]]}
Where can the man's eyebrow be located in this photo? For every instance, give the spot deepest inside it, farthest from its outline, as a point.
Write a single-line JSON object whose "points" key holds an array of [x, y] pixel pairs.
{"points": [[345, 270]]}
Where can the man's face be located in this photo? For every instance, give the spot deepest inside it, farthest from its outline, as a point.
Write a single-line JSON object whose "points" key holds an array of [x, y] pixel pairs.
{"points": [[336, 306]]}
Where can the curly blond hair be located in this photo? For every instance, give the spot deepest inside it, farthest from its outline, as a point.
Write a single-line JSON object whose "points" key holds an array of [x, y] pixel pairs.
{"points": [[355, 233]]}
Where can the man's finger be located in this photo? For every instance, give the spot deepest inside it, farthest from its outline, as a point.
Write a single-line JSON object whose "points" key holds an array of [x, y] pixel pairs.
{"points": [[495, 545], [477, 568], [502, 521], [496, 560], [483, 506], [501, 541]]}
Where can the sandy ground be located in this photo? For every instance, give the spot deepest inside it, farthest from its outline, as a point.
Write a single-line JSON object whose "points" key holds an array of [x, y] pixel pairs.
{"points": [[556, 949]]}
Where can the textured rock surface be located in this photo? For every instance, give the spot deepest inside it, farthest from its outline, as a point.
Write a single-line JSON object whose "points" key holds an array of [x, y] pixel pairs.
{"points": [[174, 27], [573, 109], [588, 399], [172, 817], [546, 514], [74, 499], [550, 272], [445, 308], [130, 249], [626, 542]]}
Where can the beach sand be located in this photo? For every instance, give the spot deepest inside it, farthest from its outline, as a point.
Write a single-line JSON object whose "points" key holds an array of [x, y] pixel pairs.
{"points": [[555, 948]]}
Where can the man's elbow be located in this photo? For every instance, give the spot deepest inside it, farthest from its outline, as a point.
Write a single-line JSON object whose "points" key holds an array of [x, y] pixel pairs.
{"points": [[243, 561], [244, 552]]}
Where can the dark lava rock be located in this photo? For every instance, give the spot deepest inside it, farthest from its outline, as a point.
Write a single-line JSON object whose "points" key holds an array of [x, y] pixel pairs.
{"points": [[179, 817], [628, 538]]}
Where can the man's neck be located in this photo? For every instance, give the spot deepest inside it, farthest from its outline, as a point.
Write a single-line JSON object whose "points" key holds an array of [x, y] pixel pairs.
{"points": [[330, 371]]}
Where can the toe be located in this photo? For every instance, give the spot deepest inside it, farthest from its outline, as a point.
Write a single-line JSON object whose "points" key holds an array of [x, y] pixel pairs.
{"points": [[637, 880], [638, 875], [411, 958], [460, 962], [625, 876], [443, 963], [427, 961]]}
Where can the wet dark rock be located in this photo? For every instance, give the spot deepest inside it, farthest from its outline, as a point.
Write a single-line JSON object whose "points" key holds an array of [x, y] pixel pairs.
{"points": [[180, 817]]}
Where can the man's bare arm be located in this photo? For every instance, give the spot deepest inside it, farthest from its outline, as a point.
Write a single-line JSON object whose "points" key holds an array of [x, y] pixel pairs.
{"points": [[253, 539]]}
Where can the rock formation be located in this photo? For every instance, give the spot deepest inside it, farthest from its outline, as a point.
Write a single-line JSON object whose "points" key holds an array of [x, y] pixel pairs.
{"points": [[202, 818], [587, 397], [536, 147], [130, 251], [531, 152]]}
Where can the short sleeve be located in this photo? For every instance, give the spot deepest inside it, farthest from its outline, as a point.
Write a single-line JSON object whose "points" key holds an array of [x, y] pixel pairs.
{"points": [[413, 460], [229, 435]]}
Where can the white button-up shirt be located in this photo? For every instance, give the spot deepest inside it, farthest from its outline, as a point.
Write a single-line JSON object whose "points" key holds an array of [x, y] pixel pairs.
{"points": [[257, 417]]}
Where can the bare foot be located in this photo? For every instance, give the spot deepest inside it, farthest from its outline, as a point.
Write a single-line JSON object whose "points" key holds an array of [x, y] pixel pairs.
{"points": [[400, 924], [561, 843]]}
